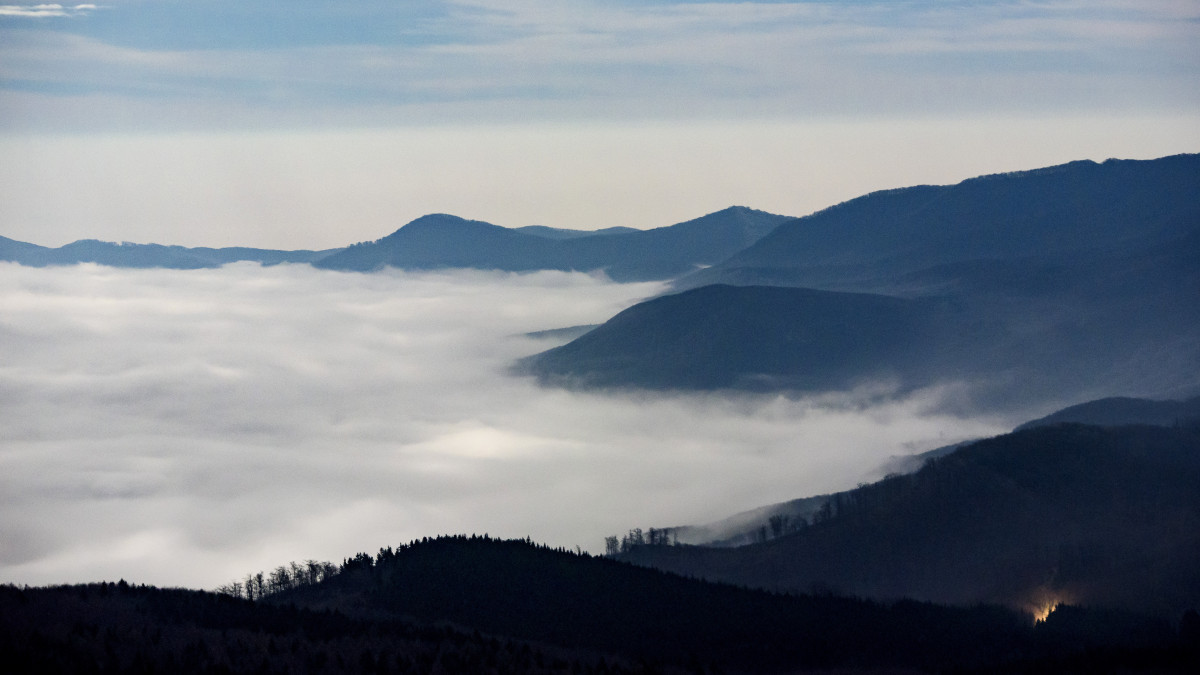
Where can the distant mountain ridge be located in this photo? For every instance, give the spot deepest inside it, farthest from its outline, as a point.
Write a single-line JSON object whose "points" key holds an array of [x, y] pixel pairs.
{"points": [[145, 255], [445, 241], [442, 241], [1061, 213]]}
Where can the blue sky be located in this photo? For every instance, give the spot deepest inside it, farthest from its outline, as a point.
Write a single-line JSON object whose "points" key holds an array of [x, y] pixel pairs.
{"points": [[1125, 71]]}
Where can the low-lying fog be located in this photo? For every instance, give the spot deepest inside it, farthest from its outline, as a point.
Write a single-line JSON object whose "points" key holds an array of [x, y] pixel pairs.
{"points": [[187, 427]]}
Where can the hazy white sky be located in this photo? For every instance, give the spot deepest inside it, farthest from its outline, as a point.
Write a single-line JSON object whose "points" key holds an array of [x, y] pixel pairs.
{"points": [[314, 124], [187, 427]]}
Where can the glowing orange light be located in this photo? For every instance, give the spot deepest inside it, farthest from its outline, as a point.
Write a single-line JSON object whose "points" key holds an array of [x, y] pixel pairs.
{"points": [[1043, 612]]}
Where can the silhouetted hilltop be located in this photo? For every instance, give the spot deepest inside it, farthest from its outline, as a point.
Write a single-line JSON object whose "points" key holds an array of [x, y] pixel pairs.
{"points": [[443, 241], [475, 604], [1106, 517], [556, 597]]}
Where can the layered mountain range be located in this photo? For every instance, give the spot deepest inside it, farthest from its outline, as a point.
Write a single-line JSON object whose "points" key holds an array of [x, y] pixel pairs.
{"points": [[1062, 284], [1020, 291], [441, 241]]}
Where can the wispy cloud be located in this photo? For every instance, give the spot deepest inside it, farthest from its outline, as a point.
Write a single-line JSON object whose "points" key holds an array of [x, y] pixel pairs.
{"points": [[490, 60], [46, 10]]}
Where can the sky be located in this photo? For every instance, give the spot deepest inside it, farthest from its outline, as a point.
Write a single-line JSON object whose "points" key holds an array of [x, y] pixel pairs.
{"points": [[185, 428], [315, 124]]}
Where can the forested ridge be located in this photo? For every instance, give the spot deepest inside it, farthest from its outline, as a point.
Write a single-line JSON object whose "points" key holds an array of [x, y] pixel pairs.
{"points": [[477, 604], [1065, 513]]}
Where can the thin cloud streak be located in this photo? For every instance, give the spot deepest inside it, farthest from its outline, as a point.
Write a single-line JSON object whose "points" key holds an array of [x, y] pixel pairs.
{"points": [[184, 428], [489, 61], [46, 10]]}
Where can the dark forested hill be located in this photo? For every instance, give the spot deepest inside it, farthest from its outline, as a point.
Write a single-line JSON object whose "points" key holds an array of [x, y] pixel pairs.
{"points": [[1079, 514], [442, 241], [478, 605]]}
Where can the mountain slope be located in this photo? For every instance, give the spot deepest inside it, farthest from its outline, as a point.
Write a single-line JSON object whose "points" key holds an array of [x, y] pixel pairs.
{"points": [[1122, 410], [444, 241], [757, 338], [667, 252], [1059, 213], [1095, 516], [1107, 307]]}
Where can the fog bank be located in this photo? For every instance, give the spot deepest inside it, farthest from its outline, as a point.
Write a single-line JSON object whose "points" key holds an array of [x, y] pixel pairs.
{"points": [[185, 428]]}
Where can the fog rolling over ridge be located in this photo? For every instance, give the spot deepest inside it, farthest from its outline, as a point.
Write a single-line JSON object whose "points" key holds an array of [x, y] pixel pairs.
{"points": [[1064, 283], [186, 427]]}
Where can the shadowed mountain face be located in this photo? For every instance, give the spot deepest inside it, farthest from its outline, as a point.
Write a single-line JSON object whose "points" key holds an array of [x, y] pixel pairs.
{"points": [[757, 338], [1132, 329], [145, 255], [442, 241], [1095, 516]]}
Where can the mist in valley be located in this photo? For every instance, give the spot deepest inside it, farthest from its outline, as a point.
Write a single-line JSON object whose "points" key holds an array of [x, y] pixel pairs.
{"points": [[185, 428]]}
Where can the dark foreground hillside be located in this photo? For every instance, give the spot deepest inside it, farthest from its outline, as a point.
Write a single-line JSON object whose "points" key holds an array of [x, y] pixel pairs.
{"points": [[478, 605], [119, 628], [1069, 513]]}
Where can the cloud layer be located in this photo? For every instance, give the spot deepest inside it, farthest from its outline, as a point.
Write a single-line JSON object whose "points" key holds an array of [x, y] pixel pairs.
{"points": [[202, 64], [184, 428], [45, 10]]}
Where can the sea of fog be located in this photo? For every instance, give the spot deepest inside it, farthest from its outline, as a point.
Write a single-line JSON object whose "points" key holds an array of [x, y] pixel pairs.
{"points": [[184, 428]]}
